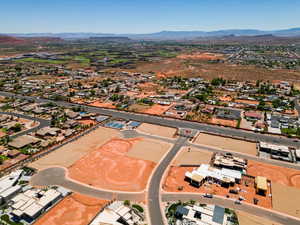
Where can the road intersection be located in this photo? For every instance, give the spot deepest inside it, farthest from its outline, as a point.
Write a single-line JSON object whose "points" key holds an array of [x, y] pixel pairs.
{"points": [[154, 193]]}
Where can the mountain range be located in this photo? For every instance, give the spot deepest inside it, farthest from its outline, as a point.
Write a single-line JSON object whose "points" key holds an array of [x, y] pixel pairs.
{"points": [[169, 35]]}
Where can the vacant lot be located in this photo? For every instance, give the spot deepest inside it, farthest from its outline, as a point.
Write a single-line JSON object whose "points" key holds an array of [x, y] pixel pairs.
{"points": [[75, 209], [249, 219], [157, 109], [231, 144], [157, 130], [103, 104], [201, 56], [192, 156], [193, 67], [277, 174], [286, 199], [149, 149], [109, 167], [138, 107], [70, 153], [229, 123]]}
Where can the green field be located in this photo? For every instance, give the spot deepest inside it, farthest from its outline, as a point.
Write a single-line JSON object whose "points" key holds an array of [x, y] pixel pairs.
{"points": [[34, 60]]}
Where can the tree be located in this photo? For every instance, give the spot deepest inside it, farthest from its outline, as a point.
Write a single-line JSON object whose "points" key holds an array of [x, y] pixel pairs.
{"points": [[261, 105], [218, 81], [117, 90], [127, 203], [17, 127]]}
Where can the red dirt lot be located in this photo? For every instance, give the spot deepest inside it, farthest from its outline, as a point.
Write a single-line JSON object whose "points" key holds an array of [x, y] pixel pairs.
{"points": [[200, 56], [103, 104], [157, 109], [230, 123], [75, 209], [175, 179], [276, 174], [244, 101], [87, 122], [108, 167]]}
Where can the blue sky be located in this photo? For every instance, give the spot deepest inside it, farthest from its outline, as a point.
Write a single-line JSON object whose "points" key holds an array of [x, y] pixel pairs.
{"points": [[141, 16]]}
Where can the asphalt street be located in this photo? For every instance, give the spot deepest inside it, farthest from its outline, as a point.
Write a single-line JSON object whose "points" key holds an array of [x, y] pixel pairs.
{"points": [[229, 203], [153, 194], [42, 123], [156, 216], [176, 123]]}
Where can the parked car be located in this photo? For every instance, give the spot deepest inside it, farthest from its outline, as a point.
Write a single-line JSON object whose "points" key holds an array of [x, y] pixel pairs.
{"points": [[206, 195], [233, 191]]}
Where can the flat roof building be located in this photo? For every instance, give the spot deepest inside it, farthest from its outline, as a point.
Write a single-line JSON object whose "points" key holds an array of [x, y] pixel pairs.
{"points": [[223, 176], [261, 185], [33, 202], [229, 161]]}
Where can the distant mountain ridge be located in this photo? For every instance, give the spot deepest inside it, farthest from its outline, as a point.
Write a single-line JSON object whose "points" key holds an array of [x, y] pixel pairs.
{"points": [[172, 35]]}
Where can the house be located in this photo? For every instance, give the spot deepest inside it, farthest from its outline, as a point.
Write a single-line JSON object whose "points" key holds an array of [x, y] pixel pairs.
{"points": [[23, 141], [116, 213], [224, 176], [31, 203], [274, 149], [228, 114], [228, 161], [252, 116], [201, 214], [13, 153], [208, 109], [71, 114], [70, 124], [47, 131]]}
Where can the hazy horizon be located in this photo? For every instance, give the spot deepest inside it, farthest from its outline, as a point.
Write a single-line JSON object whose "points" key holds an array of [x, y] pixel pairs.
{"points": [[139, 17]]}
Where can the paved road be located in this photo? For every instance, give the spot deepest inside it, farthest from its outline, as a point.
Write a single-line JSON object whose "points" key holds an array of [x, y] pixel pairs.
{"points": [[42, 123], [156, 216], [57, 176], [229, 203], [173, 122]]}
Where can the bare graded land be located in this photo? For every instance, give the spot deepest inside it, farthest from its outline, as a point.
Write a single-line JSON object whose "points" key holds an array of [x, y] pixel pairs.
{"points": [[70, 153], [157, 109], [249, 219], [277, 174], [149, 149], [75, 209], [286, 199], [99, 104], [157, 130], [228, 123], [109, 167], [138, 107], [231, 144], [201, 67], [192, 156]]}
